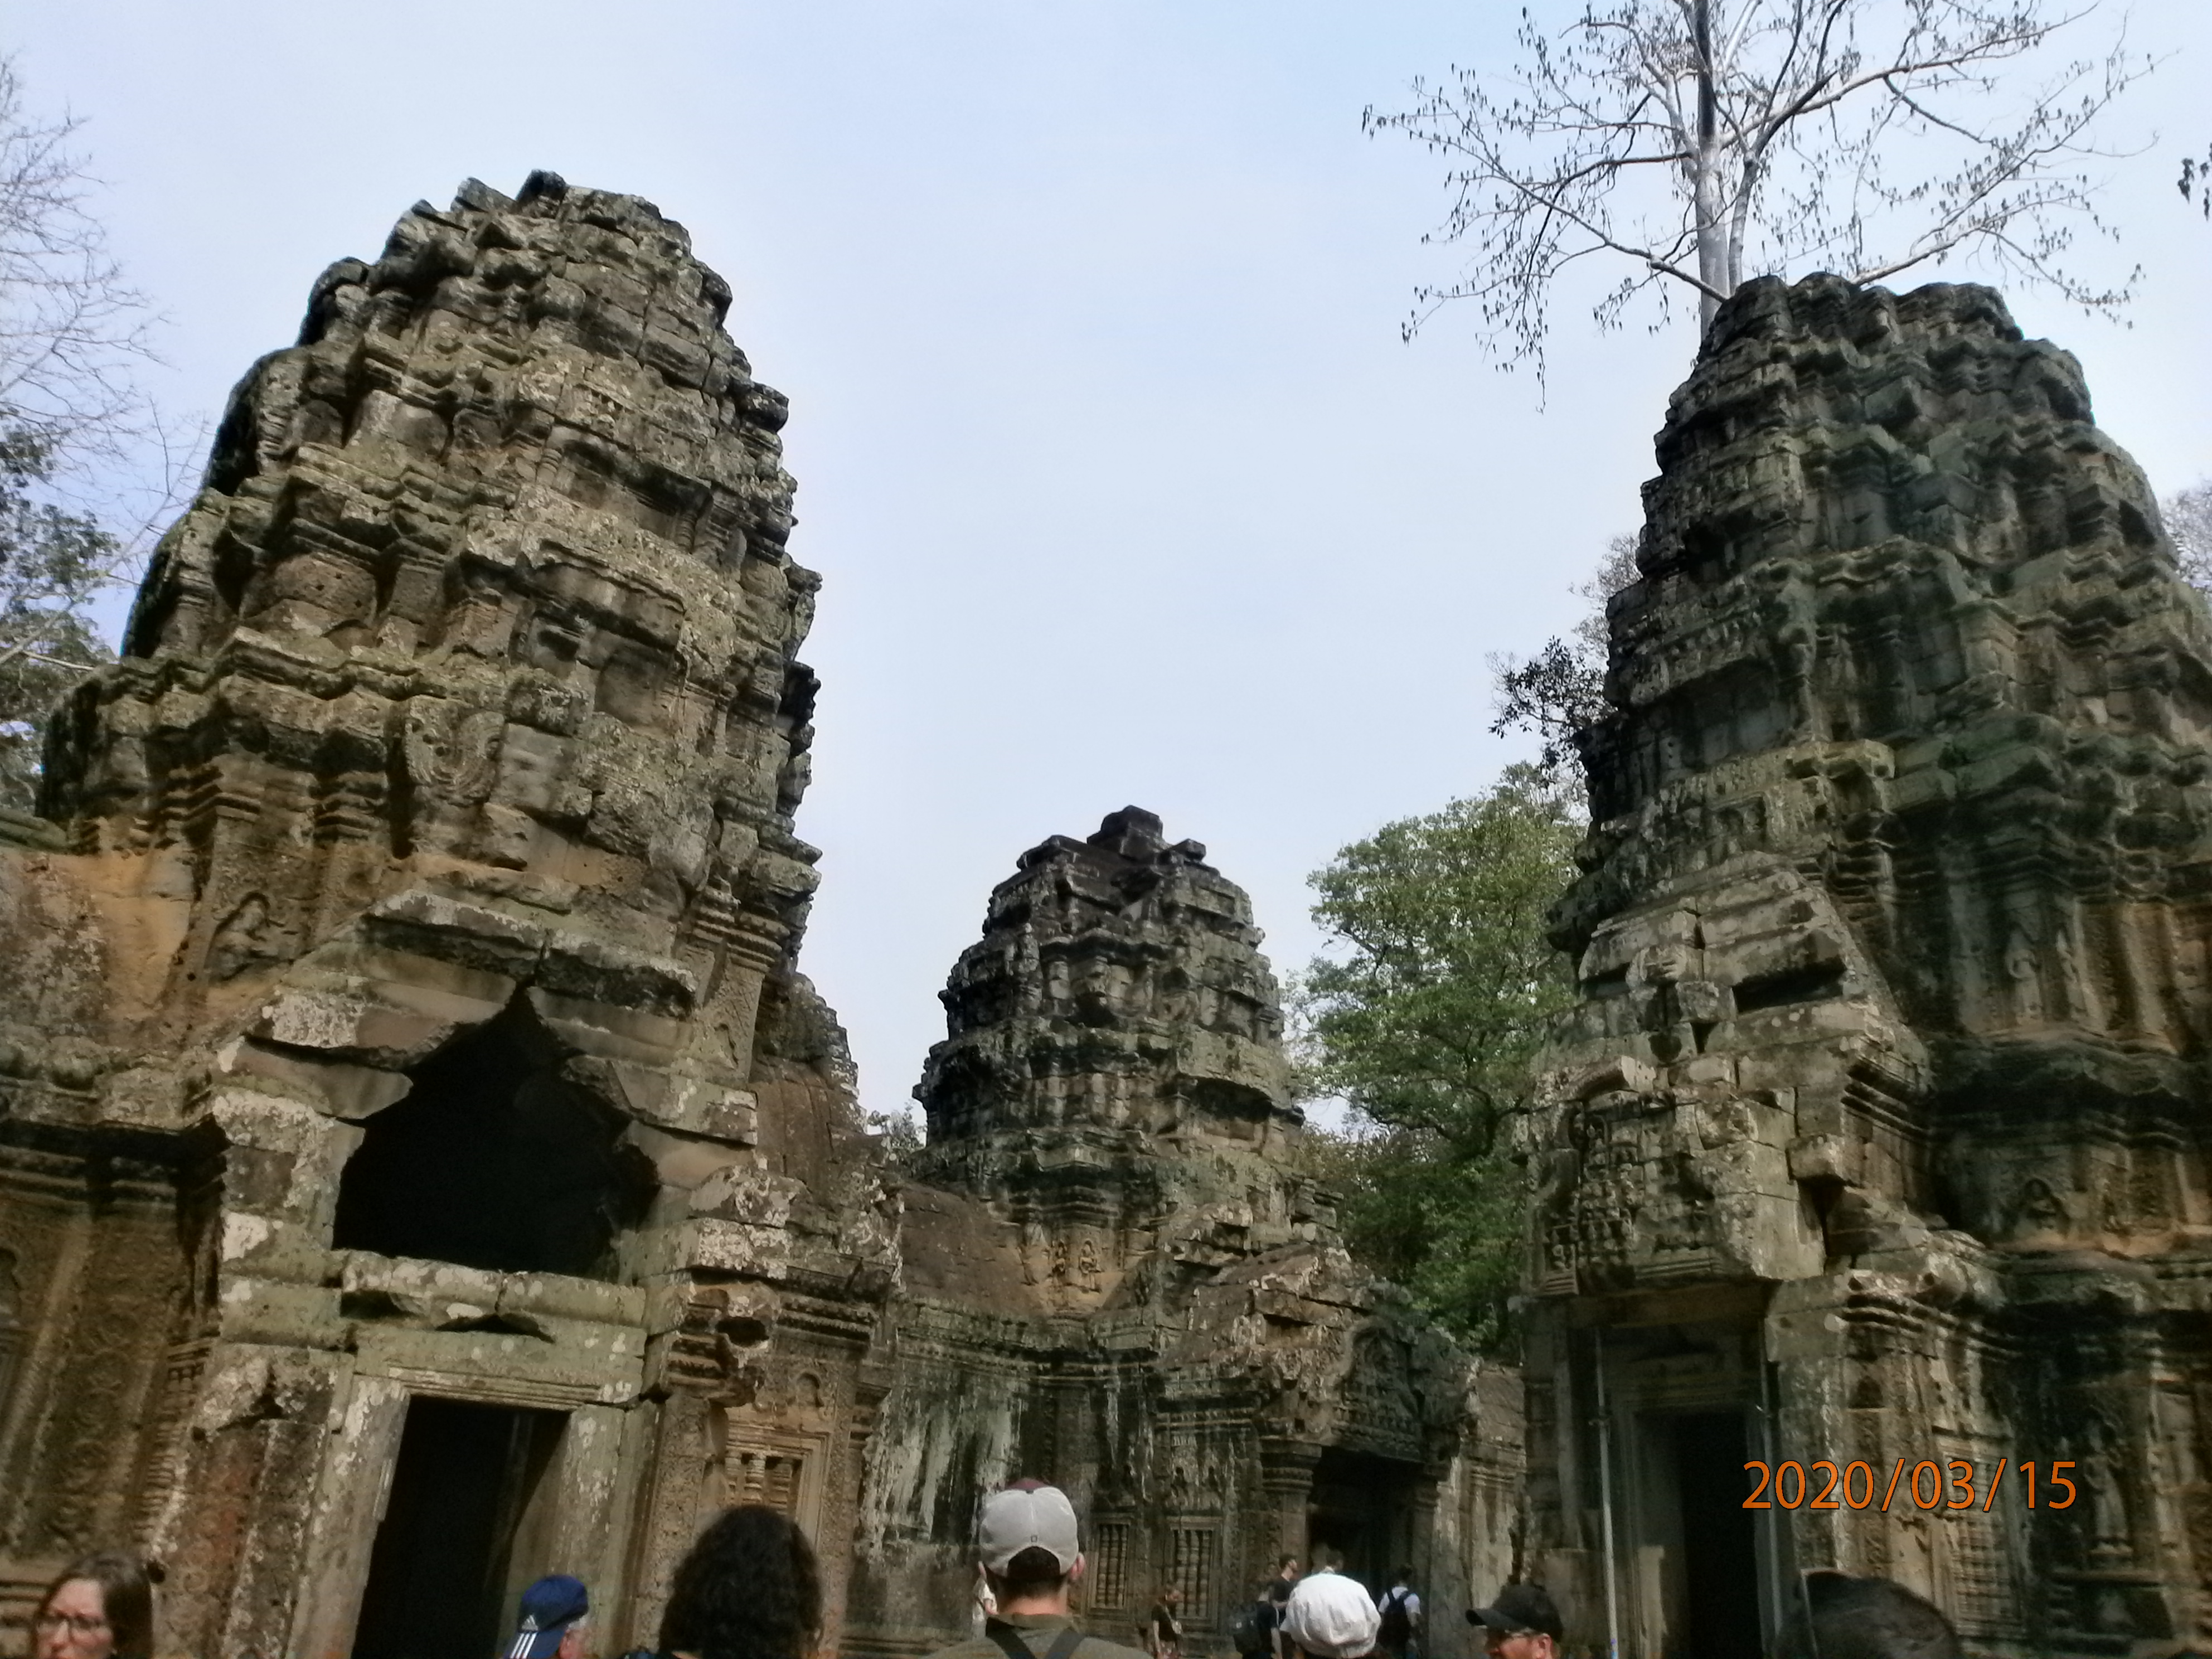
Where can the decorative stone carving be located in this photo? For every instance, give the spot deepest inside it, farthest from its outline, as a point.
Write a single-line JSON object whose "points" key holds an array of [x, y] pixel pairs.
{"points": [[1880, 1122], [439, 811], [1116, 1275]]}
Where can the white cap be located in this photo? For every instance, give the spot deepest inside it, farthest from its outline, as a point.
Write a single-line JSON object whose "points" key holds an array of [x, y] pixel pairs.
{"points": [[1332, 1616], [1025, 1516]]}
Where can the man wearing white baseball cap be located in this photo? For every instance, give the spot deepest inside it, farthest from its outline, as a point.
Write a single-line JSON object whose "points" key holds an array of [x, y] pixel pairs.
{"points": [[1026, 1537], [1331, 1617]]}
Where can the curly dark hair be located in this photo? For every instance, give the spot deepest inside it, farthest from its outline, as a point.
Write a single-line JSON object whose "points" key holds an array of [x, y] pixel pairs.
{"points": [[749, 1589], [126, 1596]]}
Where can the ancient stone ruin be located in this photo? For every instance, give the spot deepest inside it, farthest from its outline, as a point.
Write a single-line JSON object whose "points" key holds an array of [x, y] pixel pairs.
{"points": [[1881, 1130], [422, 1165], [420, 1161], [1115, 1269]]}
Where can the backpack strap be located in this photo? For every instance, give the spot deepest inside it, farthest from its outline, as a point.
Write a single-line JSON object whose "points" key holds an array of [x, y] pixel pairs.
{"points": [[1011, 1644]]}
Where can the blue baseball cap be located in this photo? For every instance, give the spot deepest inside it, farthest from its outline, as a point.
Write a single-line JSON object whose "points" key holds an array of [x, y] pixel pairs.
{"points": [[549, 1607]]}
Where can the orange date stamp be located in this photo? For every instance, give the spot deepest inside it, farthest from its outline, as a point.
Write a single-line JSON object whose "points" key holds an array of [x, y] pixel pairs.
{"points": [[1946, 1485]]}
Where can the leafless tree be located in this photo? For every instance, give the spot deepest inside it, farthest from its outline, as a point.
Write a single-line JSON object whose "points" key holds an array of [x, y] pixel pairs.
{"points": [[1706, 142], [87, 467]]}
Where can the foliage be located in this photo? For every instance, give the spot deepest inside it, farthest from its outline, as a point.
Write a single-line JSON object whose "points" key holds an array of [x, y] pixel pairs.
{"points": [[1561, 690], [2188, 515], [52, 562], [1704, 142], [1423, 1212], [73, 419], [901, 1136], [1426, 1018]]}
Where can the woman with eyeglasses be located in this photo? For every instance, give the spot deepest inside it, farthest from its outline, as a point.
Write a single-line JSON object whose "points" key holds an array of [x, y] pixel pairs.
{"points": [[100, 1607]]}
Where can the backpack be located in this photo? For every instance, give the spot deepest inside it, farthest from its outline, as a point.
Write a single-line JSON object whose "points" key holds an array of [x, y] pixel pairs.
{"points": [[1397, 1628], [1245, 1635]]}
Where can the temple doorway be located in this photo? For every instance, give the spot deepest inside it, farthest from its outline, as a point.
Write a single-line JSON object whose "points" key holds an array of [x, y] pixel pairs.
{"points": [[456, 1540], [1720, 1553], [1362, 1510], [494, 1159]]}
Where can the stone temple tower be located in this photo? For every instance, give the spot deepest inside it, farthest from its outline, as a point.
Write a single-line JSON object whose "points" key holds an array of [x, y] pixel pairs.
{"points": [[1880, 1135], [421, 1165], [1116, 1274]]}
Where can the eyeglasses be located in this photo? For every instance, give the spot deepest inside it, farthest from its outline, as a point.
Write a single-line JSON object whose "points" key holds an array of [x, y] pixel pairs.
{"points": [[77, 1623]]}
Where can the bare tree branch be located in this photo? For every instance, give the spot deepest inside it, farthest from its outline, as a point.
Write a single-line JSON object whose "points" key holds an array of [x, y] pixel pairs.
{"points": [[1781, 118]]}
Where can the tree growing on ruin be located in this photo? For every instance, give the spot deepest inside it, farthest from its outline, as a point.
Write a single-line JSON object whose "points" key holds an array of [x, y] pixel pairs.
{"points": [[1701, 143], [1425, 1018], [74, 419]]}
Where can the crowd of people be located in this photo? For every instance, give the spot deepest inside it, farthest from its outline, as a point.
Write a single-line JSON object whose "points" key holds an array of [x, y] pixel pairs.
{"points": [[750, 1588]]}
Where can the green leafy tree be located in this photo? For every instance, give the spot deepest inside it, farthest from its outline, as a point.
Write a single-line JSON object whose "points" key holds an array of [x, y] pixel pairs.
{"points": [[1427, 1018], [1561, 690]]}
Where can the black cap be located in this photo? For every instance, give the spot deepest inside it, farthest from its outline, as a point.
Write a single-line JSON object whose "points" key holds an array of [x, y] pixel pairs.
{"points": [[1520, 1607]]}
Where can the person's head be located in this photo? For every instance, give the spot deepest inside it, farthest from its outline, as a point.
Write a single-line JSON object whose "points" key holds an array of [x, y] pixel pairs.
{"points": [[1025, 1536], [1520, 1623], [1331, 1617], [1287, 1567], [1840, 1617], [1403, 1576], [1170, 1597], [551, 1620], [749, 1589], [100, 1607], [1278, 1590]]}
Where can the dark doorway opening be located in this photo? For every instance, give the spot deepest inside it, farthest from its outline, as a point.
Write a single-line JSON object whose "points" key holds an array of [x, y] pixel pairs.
{"points": [[460, 1494], [1362, 1512], [494, 1160], [1720, 1550]]}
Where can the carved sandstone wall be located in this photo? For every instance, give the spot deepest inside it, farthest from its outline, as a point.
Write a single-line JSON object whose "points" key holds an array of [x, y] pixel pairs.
{"points": [[1880, 1131], [402, 1001], [1115, 1276]]}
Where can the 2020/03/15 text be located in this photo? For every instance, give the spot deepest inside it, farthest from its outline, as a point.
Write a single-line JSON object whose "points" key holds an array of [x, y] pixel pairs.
{"points": [[1930, 1485]]}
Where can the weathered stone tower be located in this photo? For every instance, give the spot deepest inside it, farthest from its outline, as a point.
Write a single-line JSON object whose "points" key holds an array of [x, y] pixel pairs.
{"points": [[1116, 1277], [1881, 1131], [421, 1165]]}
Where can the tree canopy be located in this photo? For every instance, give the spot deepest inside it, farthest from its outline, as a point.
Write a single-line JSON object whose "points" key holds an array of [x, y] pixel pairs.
{"points": [[1426, 1018]]}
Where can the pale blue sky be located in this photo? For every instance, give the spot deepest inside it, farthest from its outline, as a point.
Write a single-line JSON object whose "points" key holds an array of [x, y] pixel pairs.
{"points": [[1123, 486]]}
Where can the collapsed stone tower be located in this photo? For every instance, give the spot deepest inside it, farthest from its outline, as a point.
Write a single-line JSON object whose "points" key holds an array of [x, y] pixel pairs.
{"points": [[420, 1161], [1116, 1276], [1881, 1130]]}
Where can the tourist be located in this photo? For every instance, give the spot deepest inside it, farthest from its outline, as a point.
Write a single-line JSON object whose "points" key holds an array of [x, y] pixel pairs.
{"points": [[1401, 1618], [1278, 1597], [100, 1607], [552, 1620], [1521, 1624], [1253, 1634], [1840, 1617], [1329, 1616], [1164, 1625], [1026, 1537], [748, 1589]]}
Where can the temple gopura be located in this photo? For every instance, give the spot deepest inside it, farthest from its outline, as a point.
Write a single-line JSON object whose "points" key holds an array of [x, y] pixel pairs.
{"points": [[422, 1165], [1879, 1135]]}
